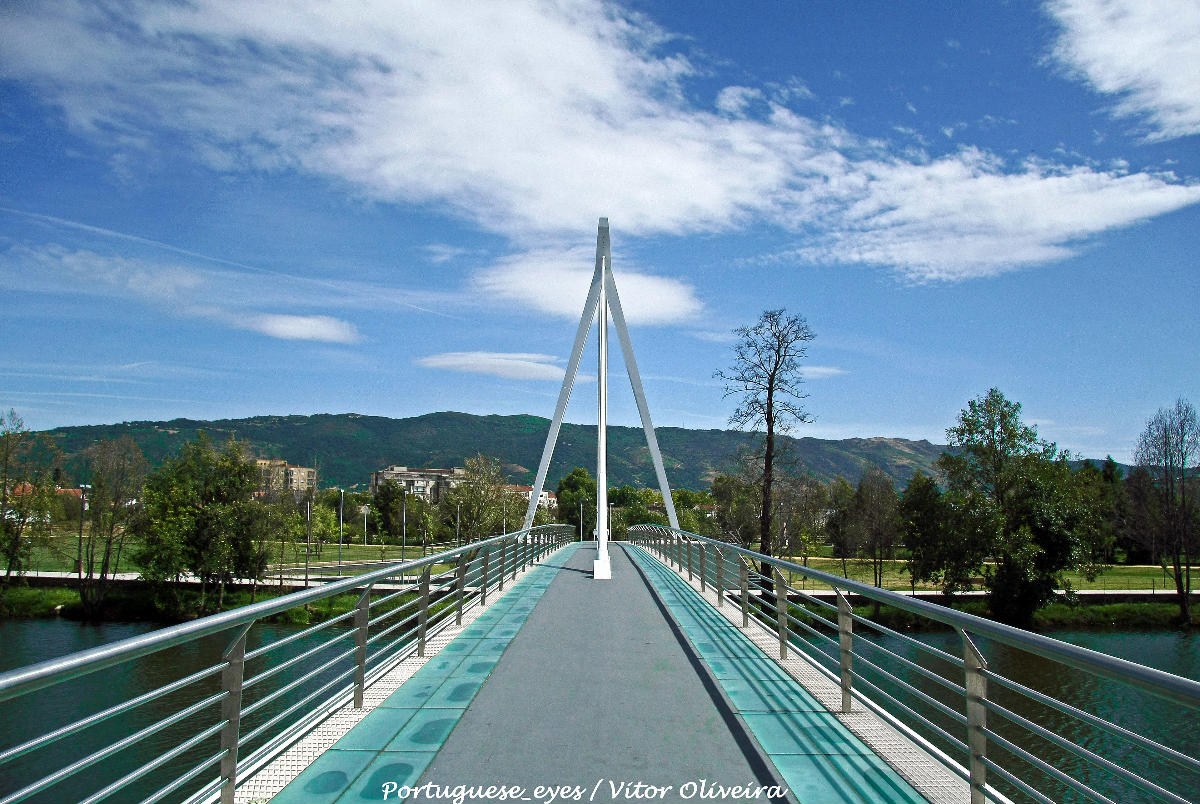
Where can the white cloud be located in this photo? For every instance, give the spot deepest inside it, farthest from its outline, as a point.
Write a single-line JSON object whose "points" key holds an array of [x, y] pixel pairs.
{"points": [[964, 216], [536, 119], [225, 297], [303, 328], [1146, 52], [510, 365], [557, 282], [820, 372], [735, 100]]}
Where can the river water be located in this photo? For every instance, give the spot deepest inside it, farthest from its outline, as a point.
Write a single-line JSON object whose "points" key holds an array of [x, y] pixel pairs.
{"points": [[28, 641]]}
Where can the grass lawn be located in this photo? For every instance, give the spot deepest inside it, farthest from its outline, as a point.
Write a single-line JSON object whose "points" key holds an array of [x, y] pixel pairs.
{"points": [[1118, 576]]}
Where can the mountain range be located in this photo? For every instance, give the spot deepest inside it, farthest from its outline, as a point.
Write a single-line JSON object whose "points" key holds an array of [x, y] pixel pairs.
{"points": [[347, 447]]}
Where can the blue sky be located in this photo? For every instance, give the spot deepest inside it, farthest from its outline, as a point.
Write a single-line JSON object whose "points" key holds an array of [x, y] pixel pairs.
{"points": [[220, 209]]}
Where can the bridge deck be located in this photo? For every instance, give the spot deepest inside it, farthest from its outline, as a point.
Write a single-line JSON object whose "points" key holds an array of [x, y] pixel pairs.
{"points": [[602, 684]]}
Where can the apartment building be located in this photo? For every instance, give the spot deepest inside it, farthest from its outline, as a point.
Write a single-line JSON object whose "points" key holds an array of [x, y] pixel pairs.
{"points": [[430, 484], [279, 476]]}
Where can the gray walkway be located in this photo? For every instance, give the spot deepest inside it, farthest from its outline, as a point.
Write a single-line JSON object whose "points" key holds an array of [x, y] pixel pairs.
{"points": [[599, 689]]}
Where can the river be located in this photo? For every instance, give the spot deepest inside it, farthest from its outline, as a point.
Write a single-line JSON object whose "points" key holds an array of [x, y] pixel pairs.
{"points": [[28, 641]]}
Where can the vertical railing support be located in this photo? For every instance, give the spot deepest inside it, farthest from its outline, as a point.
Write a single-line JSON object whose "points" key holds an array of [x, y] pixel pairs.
{"points": [[703, 555], [744, 573], [362, 616], [781, 612], [678, 550], [231, 711], [689, 557], [503, 557], [460, 587], [485, 573], [722, 563], [423, 612], [976, 683], [846, 645]]}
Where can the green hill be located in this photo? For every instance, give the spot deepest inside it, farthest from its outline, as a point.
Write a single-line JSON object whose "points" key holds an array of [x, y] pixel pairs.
{"points": [[347, 447]]}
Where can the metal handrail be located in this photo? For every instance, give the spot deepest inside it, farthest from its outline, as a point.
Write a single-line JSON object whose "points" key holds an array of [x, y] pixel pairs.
{"points": [[370, 652], [53, 671], [770, 600]]}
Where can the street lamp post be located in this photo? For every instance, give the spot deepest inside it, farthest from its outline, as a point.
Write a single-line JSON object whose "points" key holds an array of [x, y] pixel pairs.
{"points": [[307, 538], [341, 505], [457, 532], [366, 507], [83, 487]]}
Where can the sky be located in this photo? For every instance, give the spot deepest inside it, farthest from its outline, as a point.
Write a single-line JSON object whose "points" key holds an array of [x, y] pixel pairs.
{"points": [[217, 209]]}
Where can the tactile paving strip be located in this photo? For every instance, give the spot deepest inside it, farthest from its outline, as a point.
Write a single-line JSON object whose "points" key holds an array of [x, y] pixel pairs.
{"points": [[777, 721], [443, 658]]}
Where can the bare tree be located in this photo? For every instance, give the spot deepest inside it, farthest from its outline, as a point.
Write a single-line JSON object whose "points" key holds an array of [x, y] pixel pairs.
{"points": [[26, 492], [1169, 449], [766, 376], [118, 471]]}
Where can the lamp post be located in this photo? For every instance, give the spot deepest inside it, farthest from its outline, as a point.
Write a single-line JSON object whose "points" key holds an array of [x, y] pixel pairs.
{"points": [[341, 504], [307, 538], [366, 506], [457, 532], [83, 489]]}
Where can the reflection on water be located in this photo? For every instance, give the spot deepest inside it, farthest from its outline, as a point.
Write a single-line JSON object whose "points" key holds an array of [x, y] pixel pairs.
{"points": [[26, 642], [30, 641], [1139, 712]]}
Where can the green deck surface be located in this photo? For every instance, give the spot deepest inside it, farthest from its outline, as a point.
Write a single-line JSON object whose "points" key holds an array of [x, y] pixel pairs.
{"points": [[777, 729]]}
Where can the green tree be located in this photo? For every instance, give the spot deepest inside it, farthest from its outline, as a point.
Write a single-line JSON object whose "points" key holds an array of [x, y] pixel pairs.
{"points": [[27, 492], [1140, 524], [843, 536], [766, 377], [118, 469], [199, 517], [804, 503], [476, 500], [738, 505], [388, 508], [875, 516], [1169, 450], [1021, 505], [576, 491]]}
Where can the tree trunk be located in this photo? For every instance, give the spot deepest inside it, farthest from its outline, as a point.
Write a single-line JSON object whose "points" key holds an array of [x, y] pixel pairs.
{"points": [[764, 518]]}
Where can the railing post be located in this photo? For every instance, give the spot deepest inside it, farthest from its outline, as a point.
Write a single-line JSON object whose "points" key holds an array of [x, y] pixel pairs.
{"points": [[689, 556], [846, 644], [362, 616], [231, 711], [503, 557], [703, 554], [678, 544], [423, 612], [485, 573], [976, 683], [781, 611], [720, 573], [745, 579], [460, 587]]}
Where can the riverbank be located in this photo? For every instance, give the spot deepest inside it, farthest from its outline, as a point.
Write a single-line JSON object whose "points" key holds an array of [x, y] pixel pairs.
{"points": [[131, 603], [1083, 615], [141, 605]]}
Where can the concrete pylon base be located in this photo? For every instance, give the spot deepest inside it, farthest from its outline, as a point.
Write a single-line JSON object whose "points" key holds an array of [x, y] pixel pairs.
{"points": [[602, 569]]}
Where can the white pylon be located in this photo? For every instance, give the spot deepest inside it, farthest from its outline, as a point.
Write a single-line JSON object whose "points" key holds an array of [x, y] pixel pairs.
{"points": [[602, 567], [602, 301]]}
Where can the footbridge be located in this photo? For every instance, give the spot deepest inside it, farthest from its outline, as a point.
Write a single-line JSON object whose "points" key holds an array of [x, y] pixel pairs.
{"points": [[505, 670], [535, 667]]}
